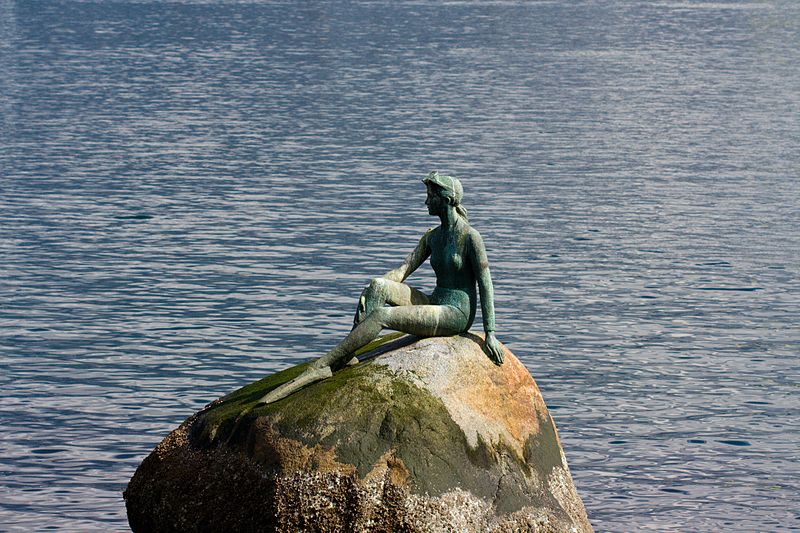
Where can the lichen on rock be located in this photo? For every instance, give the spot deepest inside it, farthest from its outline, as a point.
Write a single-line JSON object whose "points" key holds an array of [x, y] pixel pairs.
{"points": [[422, 435]]}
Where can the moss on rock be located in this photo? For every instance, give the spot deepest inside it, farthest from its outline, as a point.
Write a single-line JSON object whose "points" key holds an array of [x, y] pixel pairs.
{"points": [[388, 440]]}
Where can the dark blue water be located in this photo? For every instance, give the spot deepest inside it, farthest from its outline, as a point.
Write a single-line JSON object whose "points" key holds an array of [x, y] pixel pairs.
{"points": [[192, 195]]}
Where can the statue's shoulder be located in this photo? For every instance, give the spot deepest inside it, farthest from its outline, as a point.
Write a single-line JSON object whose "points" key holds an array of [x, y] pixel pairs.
{"points": [[475, 236]]}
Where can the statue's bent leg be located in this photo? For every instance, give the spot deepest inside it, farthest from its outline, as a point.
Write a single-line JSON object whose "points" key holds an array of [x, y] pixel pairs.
{"points": [[422, 320], [381, 291]]}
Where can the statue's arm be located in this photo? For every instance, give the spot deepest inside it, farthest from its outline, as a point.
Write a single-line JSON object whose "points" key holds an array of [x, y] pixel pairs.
{"points": [[413, 261], [480, 263]]}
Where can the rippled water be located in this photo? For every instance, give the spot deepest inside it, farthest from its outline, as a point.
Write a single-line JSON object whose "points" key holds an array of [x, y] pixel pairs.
{"points": [[193, 193]]}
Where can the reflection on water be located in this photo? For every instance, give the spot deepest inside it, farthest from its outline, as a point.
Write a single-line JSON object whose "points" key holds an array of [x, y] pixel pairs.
{"points": [[193, 193]]}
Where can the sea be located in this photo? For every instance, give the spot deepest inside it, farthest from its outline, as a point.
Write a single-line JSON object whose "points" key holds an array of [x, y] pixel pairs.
{"points": [[193, 193]]}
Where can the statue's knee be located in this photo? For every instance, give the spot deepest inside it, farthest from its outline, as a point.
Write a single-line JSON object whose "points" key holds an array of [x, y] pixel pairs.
{"points": [[377, 284], [376, 290]]}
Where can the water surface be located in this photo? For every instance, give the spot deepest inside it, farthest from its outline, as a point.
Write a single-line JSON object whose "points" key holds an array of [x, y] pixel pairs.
{"points": [[193, 193]]}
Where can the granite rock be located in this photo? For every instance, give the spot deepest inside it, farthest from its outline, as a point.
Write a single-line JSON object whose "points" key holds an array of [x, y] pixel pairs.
{"points": [[421, 435]]}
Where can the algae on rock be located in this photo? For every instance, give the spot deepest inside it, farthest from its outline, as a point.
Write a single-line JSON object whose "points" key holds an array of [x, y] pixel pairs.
{"points": [[423, 432]]}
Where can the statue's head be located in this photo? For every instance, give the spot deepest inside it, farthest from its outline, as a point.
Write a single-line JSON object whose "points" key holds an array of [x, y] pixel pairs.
{"points": [[443, 191]]}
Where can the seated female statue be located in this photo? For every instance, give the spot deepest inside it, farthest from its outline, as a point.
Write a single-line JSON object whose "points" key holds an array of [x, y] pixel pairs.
{"points": [[458, 258]]}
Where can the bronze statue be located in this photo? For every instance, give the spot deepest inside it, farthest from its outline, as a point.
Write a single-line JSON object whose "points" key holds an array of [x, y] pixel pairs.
{"points": [[458, 258]]}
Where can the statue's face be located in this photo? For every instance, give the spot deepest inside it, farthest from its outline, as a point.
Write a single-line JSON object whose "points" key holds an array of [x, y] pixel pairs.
{"points": [[434, 201]]}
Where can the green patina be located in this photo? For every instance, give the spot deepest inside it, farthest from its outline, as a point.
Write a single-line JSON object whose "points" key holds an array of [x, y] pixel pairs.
{"points": [[380, 341], [458, 258]]}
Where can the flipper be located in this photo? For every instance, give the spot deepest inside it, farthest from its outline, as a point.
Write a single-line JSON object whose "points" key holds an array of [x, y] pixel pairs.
{"points": [[309, 376]]}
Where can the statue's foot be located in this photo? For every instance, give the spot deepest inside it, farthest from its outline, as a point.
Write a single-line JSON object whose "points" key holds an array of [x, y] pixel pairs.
{"points": [[309, 376]]}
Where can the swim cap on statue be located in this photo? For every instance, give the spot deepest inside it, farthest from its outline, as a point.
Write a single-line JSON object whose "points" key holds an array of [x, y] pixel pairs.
{"points": [[448, 183]]}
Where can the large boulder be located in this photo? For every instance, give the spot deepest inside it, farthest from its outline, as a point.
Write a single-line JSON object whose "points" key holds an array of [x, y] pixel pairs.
{"points": [[421, 435]]}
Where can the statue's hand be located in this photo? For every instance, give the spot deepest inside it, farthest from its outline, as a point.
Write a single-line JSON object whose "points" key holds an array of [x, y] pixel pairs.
{"points": [[361, 309], [493, 349]]}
